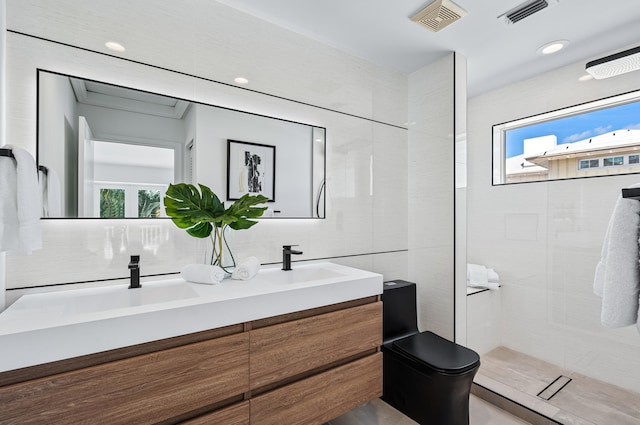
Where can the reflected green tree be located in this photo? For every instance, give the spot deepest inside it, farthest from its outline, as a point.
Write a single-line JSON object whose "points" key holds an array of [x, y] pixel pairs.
{"points": [[111, 203], [148, 203]]}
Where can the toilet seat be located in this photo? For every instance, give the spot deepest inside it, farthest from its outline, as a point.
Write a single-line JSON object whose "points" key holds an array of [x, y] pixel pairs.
{"points": [[436, 353]]}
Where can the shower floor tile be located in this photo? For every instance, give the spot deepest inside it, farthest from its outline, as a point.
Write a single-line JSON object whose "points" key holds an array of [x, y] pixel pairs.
{"points": [[583, 401]]}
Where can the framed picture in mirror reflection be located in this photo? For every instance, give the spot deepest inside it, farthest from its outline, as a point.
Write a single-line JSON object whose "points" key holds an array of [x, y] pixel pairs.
{"points": [[251, 168]]}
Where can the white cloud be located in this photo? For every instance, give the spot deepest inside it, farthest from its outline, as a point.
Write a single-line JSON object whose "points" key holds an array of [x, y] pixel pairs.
{"points": [[602, 130], [577, 136]]}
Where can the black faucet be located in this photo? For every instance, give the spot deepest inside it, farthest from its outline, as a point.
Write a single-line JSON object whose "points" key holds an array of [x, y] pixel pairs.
{"points": [[134, 267], [286, 256]]}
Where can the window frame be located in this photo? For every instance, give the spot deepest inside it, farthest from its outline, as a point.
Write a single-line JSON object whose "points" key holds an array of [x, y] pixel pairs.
{"points": [[498, 157]]}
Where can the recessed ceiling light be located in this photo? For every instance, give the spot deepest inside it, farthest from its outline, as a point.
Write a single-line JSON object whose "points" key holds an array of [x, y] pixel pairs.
{"points": [[115, 46], [553, 47], [585, 77], [241, 80]]}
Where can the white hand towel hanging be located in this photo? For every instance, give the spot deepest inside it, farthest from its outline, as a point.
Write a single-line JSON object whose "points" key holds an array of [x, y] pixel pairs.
{"points": [[20, 204], [617, 279]]}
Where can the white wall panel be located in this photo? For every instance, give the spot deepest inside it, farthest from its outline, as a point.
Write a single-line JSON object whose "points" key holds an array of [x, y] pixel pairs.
{"points": [[218, 43]]}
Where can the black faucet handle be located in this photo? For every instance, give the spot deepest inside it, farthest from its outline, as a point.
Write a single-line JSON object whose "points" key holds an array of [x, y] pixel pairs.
{"points": [[133, 263]]}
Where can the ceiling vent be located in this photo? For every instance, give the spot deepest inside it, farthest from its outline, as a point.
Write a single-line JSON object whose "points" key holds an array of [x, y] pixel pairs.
{"points": [[438, 15], [525, 10]]}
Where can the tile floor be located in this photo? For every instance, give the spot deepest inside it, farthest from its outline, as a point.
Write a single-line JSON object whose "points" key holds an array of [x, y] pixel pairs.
{"points": [[377, 412], [583, 401]]}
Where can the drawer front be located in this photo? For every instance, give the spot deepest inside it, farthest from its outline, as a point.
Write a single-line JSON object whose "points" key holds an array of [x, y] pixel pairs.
{"points": [[282, 351], [234, 415], [143, 389], [322, 397]]}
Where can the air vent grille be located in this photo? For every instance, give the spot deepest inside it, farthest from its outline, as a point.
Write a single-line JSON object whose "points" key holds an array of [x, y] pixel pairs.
{"points": [[525, 10], [438, 15]]}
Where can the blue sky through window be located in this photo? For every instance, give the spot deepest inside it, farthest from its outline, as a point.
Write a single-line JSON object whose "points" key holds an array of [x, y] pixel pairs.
{"points": [[577, 127]]}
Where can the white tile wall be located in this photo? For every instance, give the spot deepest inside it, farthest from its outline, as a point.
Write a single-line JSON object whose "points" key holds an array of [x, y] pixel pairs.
{"points": [[367, 161], [546, 266], [431, 194]]}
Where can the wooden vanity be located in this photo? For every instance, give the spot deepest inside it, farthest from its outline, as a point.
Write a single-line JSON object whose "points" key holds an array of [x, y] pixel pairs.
{"points": [[304, 367]]}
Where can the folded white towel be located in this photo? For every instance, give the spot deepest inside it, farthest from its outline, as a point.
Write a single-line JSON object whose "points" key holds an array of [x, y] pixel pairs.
{"points": [[20, 193], [202, 273], [51, 193], [247, 269], [492, 276], [617, 277], [477, 276]]}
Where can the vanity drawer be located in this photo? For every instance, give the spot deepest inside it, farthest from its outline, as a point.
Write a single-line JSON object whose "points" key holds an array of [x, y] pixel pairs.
{"points": [[322, 397], [145, 389], [290, 349], [237, 414]]}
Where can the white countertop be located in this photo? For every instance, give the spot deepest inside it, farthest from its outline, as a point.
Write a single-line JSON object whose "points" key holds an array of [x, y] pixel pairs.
{"points": [[41, 328]]}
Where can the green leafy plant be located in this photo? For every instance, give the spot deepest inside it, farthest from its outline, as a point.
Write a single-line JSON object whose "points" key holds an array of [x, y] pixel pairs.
{"points": [[202, 214]]}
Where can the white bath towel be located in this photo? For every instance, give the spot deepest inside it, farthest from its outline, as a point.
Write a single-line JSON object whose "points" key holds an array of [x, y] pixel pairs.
{"points": [[202, 273], [247, 269], [493, 276], [20, 204], [8, 204], [51, 193], [617, 279], [479, 276]]}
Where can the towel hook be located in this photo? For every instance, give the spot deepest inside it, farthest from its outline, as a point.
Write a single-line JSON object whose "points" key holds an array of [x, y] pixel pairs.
{"points": [[6, 152]]}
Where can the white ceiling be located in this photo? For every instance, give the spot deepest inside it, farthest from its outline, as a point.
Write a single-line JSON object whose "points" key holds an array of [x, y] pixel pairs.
{"points": [[380, 31]]}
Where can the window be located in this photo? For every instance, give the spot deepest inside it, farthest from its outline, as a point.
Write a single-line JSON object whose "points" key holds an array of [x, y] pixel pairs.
{"points": [[148, 203], [592, 139], [615, 160], [112, 203], [120, 200], [589, 163]]}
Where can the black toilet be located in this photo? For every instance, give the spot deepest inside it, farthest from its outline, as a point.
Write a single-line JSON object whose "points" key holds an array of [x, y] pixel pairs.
{"points": [[425, 376]]}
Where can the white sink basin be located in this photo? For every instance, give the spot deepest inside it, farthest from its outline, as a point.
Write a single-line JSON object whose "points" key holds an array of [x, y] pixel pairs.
{"points": [[301, 275], [93, 300], [124, 298]]}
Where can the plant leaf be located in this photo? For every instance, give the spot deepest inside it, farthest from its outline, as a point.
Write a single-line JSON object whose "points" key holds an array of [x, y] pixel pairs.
{"points": [[244, 209], [191, 210], [198, 211]]}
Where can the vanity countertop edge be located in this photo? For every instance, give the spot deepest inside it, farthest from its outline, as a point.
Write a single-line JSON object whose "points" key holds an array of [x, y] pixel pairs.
{"points": [[229, 303]]}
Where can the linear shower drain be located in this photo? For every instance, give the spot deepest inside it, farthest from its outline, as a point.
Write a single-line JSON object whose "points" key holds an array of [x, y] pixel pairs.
{"points": [[554, 388]]}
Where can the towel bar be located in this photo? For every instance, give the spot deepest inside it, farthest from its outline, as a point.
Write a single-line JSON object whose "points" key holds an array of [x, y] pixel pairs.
{"points": [[6, 152], [631, 193]]}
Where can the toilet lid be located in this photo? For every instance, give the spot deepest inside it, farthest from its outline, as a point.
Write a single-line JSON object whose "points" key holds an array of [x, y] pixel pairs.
{"points": [[438, 353]]}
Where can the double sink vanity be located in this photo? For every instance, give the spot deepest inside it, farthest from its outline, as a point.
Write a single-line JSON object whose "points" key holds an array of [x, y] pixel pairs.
{"points": [[286, 347]]}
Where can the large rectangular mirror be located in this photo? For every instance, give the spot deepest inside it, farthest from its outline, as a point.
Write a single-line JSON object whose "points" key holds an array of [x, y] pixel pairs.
{"points": [[107, 151]]}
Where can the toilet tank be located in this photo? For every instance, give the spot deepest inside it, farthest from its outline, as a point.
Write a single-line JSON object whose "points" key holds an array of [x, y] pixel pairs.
{"points": [[399, 314]]}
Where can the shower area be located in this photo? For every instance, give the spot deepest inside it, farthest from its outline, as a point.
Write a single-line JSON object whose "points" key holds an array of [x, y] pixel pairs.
{"points": [[540, 336]]}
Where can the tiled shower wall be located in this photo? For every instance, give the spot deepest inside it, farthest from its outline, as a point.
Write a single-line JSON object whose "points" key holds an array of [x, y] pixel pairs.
{"points": [[363, 107], [545, 238]]}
